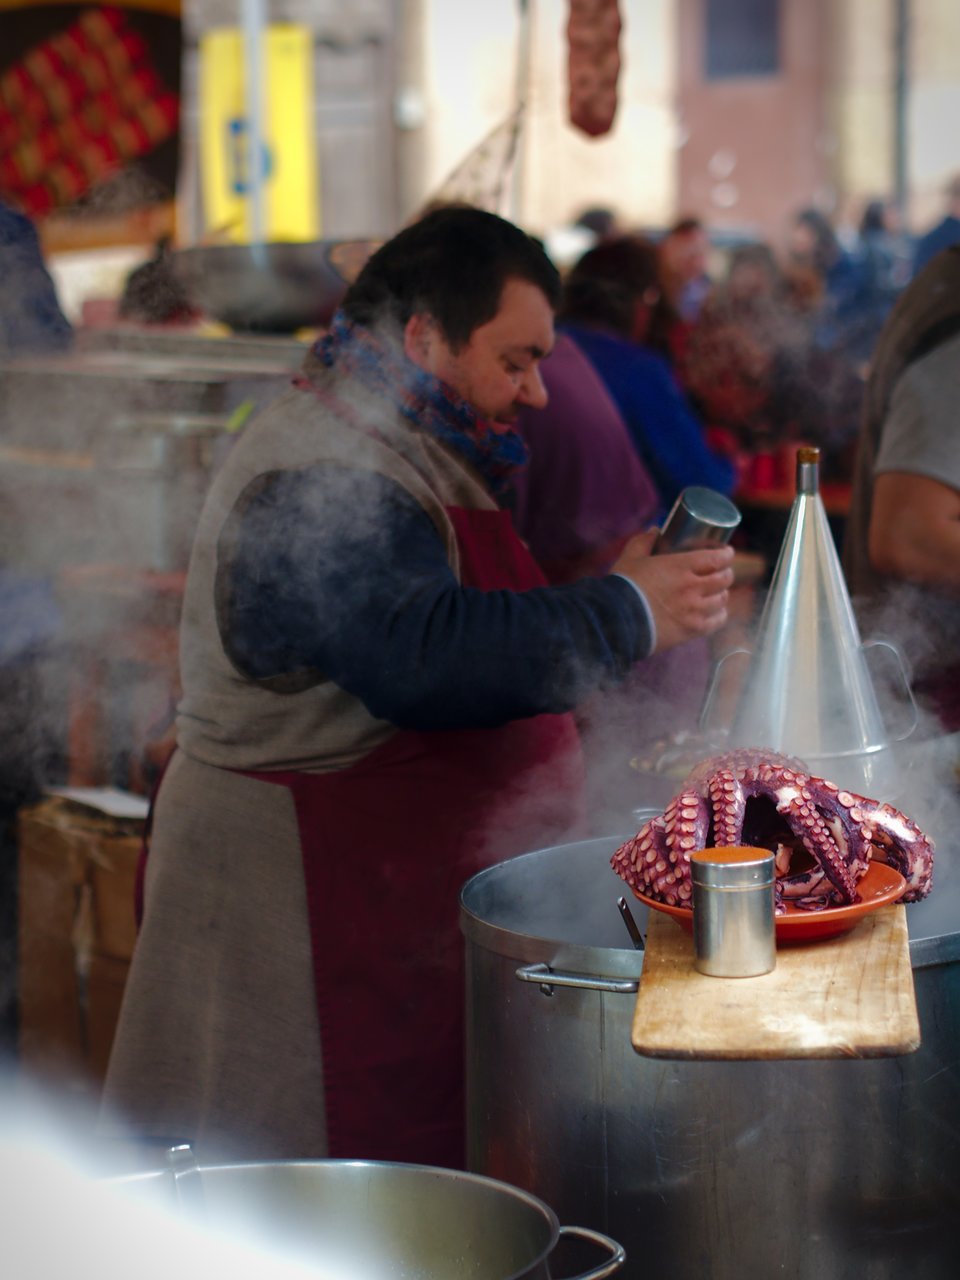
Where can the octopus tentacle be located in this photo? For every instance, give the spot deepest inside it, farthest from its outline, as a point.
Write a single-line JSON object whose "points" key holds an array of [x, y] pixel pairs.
{"points": [[805, 884], [840, 831], [842, 811], [738, 761], [636, 861], [687, 822], [794, 799], [728, 804], [794, 794], [900, 842]]}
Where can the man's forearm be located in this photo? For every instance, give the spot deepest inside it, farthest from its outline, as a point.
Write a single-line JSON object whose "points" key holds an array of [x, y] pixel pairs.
{"points": [[915, 530]]}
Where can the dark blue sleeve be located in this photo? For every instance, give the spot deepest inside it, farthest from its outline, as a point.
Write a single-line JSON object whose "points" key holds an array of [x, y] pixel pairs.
{"points": [[30, 315], [942, 236], [666, 432], [342, 574]]}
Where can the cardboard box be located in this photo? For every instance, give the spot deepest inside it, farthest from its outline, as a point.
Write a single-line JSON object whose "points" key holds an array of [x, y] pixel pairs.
{"points": [[76, 934]]}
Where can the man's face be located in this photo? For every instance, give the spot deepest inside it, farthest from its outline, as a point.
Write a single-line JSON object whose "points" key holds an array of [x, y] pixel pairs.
{"points": [[498, 370], [684, 254]]}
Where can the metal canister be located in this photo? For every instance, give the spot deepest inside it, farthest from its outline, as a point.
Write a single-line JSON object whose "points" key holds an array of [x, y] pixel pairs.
{"points": [[734, 930], [700, 517]]}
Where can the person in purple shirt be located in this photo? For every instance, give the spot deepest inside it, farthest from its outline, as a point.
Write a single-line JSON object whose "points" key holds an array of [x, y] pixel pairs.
{"points": [[584, 491], [582, 494], [608, 308]]}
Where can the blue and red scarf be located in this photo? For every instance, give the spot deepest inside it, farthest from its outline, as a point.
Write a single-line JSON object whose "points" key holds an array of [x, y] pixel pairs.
{"points": [[426, 402]]}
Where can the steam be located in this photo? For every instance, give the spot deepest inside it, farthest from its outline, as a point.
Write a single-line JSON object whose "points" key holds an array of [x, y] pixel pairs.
{"points": [[64, 1216], [128, 188], [107, 454], [920, 622]]}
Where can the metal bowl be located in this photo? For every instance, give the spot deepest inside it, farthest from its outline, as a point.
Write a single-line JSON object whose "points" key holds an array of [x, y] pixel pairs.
{"points": [[270, 288]]}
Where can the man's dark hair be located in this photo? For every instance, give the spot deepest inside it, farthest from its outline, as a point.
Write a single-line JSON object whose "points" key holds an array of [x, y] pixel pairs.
{"points": [[451, 264]]}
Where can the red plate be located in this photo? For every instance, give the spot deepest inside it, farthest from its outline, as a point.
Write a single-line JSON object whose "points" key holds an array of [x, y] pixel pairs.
{"points": [[881, 884]]}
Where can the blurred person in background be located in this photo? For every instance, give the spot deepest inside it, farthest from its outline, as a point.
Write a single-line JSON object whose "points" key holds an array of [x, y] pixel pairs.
{"points": [[945, 233], [582, 494], [568, 242], [31, 320], [827, 285], [833, 276], [684, 254], [901, 552], [602, 223], [31, 323], [742, 355], [613, 309], [885, 248], [378, 686], [153, 293], [883, 256], [583, 491]]}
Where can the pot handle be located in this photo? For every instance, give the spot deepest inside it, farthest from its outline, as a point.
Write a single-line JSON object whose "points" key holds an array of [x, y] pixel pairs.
{"points": [[549, 978], [907, 693], [618, 1255], [187, 1180], [706, 708]]}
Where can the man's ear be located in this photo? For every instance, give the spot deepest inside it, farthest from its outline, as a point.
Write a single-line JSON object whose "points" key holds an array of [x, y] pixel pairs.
{"points": [[418, 338]]}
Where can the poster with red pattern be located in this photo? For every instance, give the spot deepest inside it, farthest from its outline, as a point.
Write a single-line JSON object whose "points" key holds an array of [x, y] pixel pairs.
{"points": [[78, 106]]}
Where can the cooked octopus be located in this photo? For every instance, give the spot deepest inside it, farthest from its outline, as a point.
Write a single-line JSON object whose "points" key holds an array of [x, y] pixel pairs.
{"points": [[823, 837]]}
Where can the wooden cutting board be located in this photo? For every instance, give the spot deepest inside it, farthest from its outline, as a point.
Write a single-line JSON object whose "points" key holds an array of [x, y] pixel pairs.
{"points": [[851, 996]]}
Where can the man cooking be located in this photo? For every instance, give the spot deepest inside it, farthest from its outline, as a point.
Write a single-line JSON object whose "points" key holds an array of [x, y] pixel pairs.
{"points": [[377, 687]]}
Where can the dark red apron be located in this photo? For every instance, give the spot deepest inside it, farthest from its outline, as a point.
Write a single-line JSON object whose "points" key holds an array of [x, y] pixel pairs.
{"points": [[387, 845]]}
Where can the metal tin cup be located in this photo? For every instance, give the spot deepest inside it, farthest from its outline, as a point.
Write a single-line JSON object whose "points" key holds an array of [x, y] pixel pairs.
{"points": [[699, 518], [734, 933]]}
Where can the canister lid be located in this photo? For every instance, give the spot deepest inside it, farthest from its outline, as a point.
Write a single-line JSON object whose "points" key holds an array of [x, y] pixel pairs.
{"points": [[732, 867], [710, 506]]}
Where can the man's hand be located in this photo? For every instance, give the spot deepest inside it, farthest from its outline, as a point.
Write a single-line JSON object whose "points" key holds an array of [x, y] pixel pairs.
{"points": [[687, 590]]}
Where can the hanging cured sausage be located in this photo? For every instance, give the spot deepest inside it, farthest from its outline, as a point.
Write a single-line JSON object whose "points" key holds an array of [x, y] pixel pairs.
{"points": [[593, 40]]}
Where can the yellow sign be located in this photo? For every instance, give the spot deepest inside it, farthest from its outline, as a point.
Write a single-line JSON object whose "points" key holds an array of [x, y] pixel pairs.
{"points": [[287, 166]]}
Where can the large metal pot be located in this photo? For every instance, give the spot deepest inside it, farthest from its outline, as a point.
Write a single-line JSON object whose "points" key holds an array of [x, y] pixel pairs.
{"points": [[370, 1220], [813, 1170], [274, 287]]}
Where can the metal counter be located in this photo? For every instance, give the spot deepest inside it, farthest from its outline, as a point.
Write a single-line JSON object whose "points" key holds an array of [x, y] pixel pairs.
{"points": [[61, 401]]}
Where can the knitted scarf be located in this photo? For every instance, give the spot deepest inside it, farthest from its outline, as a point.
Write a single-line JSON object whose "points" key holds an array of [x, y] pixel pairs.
{"points": [[426, 402]]}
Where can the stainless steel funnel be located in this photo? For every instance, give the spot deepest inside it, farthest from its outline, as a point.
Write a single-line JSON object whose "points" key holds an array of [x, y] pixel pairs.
{"points": [[807, 689]]}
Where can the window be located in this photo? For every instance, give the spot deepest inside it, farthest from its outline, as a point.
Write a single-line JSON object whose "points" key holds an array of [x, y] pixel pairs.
{"points": [[742, 38]]}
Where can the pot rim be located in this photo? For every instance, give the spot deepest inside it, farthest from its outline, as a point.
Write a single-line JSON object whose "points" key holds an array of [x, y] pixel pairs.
{"points": [[506, 1189], [532, 948]]}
